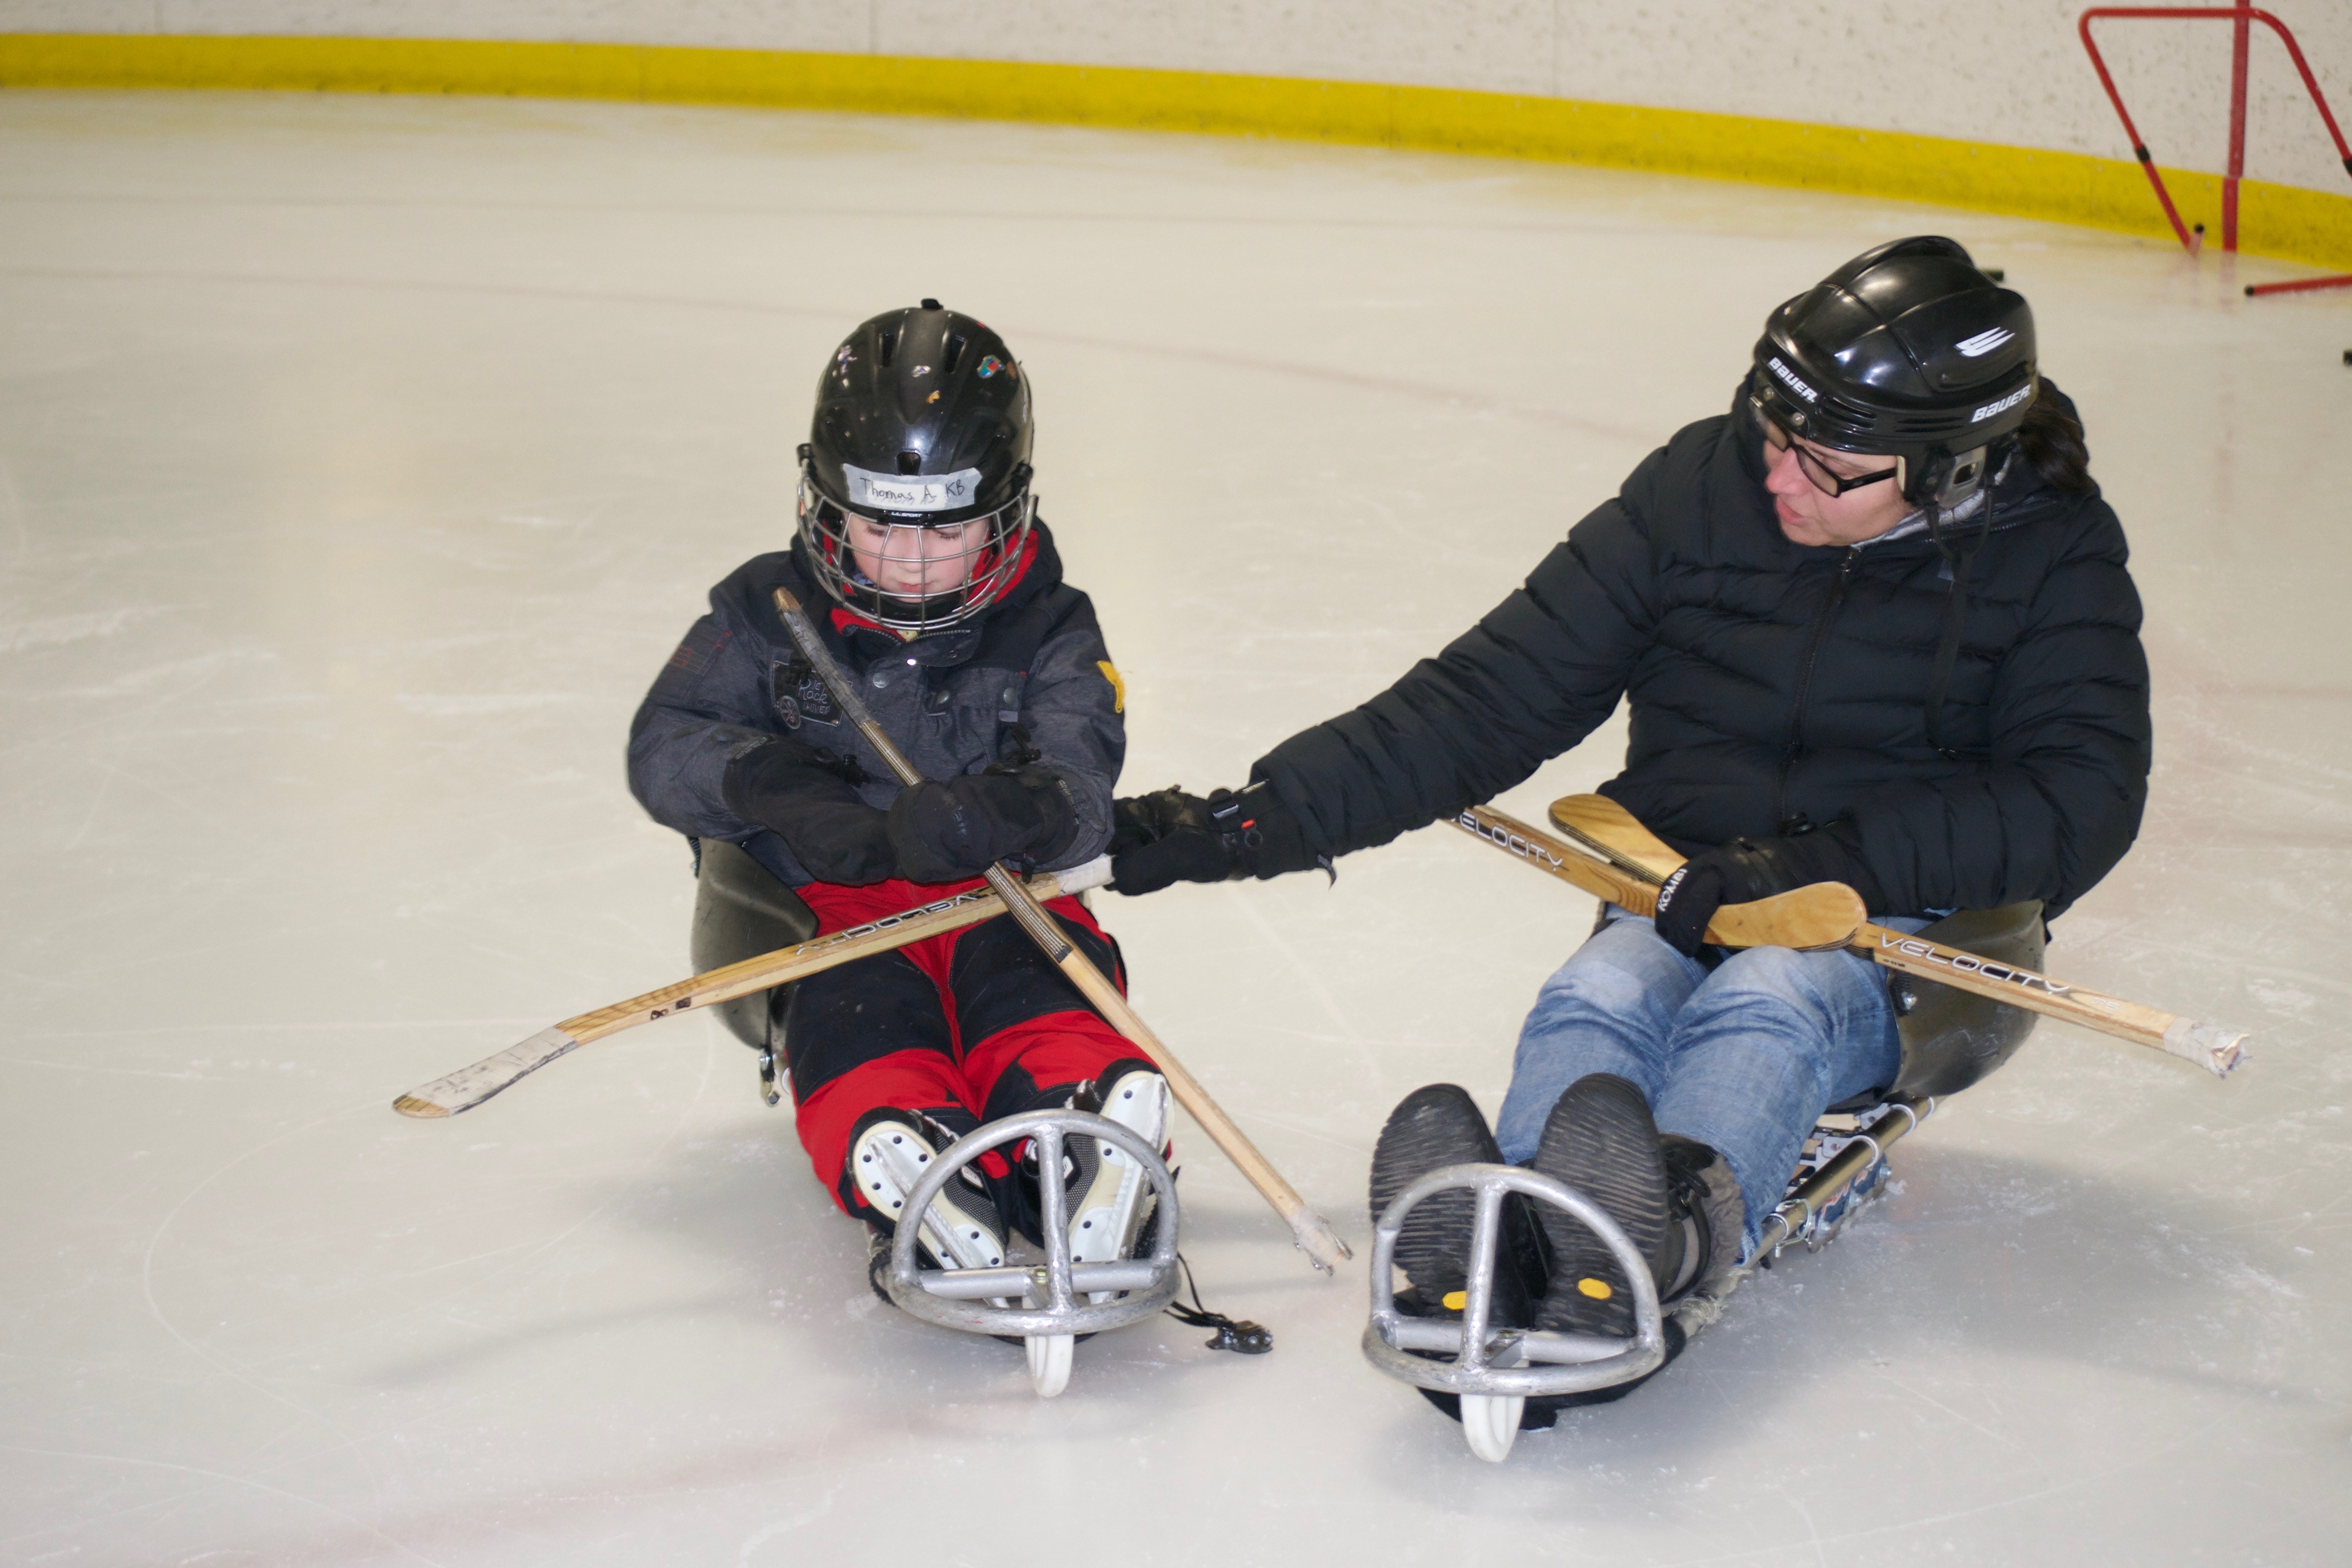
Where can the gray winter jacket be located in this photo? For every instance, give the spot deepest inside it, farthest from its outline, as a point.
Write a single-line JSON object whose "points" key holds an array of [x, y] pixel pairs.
{"points": [[1034, 669]]}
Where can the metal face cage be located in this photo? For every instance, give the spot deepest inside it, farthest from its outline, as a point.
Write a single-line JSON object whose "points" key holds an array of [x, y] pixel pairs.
{"points": [[1060, 1299], [1496, 1370], [993, 546]]}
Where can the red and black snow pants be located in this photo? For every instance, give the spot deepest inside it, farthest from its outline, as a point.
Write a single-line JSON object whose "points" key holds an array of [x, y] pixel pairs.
{"points": [[967, 1028]]}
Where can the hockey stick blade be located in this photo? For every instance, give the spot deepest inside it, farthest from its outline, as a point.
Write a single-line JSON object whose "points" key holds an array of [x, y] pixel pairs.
{"points": [[1616, 835], [1823, 916], [469, 1086], [1609, 829]]}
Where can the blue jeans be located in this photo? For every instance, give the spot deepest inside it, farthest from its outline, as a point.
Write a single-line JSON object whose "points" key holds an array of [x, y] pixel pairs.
{"points": [[1744, 1059]]}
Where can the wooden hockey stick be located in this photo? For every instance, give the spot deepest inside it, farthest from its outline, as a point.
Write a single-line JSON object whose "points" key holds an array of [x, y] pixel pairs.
{"points": [[1826, 915], [468, 1087], [1611, 831], [1313, 1232]]}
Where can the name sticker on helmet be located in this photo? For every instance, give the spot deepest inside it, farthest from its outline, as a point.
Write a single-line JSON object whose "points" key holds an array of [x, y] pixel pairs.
{"points": [[910, 492], [1785, 374], [2012, 401], [1984, 342]]}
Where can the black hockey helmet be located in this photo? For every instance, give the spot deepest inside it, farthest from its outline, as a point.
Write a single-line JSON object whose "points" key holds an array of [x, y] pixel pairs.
{"points": [[921, 426], [1907, 351]]}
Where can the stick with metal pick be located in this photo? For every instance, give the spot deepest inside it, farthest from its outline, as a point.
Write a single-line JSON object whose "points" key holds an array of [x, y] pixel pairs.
{"points": [[1614, 833], [1315, 1235], [469, 1086]]}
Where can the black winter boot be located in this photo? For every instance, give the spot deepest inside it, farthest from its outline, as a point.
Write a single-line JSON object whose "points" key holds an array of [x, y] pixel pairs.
{"points": [[1432, 1127], [1600, 1139], [1711, 1217]]}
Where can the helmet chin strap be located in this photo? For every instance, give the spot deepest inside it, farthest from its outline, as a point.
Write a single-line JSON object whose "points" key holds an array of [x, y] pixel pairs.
{"points": [[1957, 562]]}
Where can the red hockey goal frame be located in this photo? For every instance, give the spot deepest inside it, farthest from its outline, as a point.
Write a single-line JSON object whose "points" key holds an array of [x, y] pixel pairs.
{"points": [[2241, 17]]}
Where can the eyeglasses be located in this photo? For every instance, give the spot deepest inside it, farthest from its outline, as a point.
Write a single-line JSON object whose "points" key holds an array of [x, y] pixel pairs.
{"points": [[1825, 480]]}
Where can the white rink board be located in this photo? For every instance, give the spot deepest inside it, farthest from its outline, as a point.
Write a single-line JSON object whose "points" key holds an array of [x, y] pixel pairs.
{"points": [[361, 460], [2008, 72]]}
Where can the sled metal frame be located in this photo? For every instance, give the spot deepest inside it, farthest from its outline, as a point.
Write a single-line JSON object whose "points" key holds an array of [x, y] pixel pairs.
{"points": [[1494, 1370], [976, 1301], [1839, 1158], [1490, 1362]]}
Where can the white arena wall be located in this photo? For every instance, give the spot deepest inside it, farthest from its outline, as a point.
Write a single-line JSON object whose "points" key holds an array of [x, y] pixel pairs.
{"points": [[1997, 74]]}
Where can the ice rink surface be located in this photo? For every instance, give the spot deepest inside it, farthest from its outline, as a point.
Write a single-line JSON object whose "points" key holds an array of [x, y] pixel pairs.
{"points": [[361, 459]]}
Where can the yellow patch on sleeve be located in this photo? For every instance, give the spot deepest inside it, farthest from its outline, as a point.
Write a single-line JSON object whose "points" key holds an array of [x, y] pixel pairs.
{"points": [[1118, 687]]}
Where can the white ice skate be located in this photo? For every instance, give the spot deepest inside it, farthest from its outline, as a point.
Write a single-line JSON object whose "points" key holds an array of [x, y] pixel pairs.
{"points": [[889, 1154], [1070, 1294], [1110, 1195]]}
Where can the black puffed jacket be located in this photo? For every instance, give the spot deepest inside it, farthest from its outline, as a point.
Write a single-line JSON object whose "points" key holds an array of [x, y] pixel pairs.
{"points": [[1774, 685], [1031, 676]]}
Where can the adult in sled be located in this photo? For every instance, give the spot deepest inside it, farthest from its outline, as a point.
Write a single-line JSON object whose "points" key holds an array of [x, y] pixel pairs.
{"points": [[1875, 626], [935, 585]]}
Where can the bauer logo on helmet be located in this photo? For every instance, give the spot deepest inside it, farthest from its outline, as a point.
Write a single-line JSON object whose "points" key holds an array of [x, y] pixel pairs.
{"points": [[1798, 388], [2012, 401]]}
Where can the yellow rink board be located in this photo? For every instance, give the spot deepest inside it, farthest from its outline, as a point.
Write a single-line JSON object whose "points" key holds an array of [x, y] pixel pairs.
{"points": [[2282, 221]]}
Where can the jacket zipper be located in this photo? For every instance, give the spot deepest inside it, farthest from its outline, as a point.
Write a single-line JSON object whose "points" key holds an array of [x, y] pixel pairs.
{"points": [[1796, 745]]}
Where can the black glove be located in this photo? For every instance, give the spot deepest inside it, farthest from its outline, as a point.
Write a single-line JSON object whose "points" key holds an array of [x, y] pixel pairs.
{"points": [[808, 798], [1170, 837], [1748, 869], [946, 830]]}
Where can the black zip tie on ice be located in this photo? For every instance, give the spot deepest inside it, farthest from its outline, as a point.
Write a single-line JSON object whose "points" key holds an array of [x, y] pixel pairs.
{"points": [[1232, 1334]]}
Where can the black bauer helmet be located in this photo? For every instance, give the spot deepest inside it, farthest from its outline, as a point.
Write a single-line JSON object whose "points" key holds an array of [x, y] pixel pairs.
{"points": [[1907, 351], [917, 462]]}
